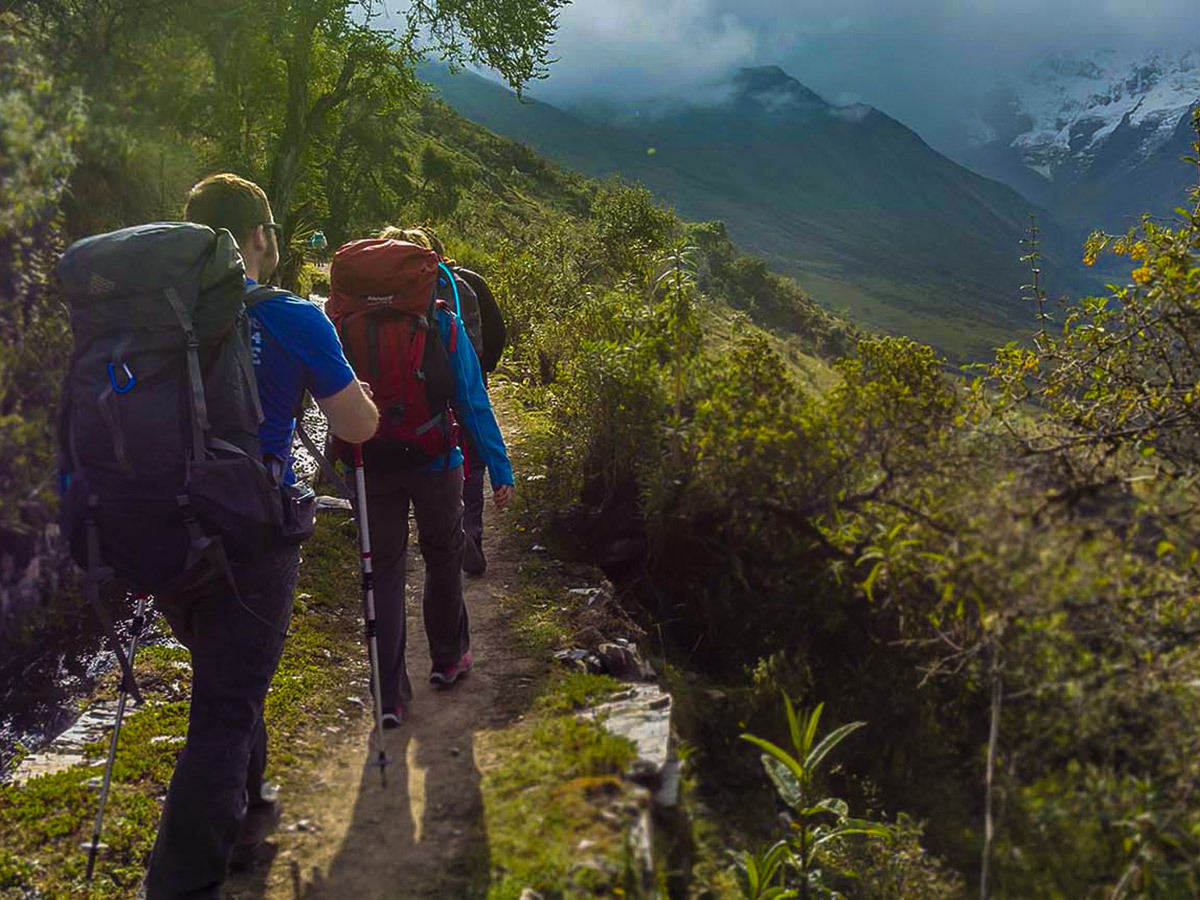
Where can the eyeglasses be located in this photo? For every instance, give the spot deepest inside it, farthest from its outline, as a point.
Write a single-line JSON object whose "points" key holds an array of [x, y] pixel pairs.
{"points": [[275, 227]]}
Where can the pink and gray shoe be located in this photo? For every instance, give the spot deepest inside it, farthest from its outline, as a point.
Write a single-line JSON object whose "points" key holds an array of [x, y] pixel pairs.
{"points": [[447, 674]]}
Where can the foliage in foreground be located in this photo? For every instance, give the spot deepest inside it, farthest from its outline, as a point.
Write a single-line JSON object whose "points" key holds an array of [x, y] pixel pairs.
{"points": [[40, 123], [825, 853]]}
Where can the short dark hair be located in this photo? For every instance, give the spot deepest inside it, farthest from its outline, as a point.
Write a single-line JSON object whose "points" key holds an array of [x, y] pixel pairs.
{"points": [[228, 201]]}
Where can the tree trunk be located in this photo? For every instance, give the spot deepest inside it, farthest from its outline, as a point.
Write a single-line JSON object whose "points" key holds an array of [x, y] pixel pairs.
{"points": [[301, 119], [286, 167], [993, 740]]}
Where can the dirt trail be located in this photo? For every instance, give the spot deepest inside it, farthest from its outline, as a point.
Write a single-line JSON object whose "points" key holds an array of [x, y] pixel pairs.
{"points": [[421, 836]]}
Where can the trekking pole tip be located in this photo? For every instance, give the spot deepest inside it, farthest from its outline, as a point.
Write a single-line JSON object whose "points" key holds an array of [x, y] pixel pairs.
{"points": [[383, 761], [93, 848]]}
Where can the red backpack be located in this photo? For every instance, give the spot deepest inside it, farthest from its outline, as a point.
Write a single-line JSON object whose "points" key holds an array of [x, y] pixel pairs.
{"points": [[382, 300]]}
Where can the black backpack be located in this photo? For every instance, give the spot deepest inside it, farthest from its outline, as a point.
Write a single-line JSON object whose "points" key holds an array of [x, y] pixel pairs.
{"points": [[158, 429], [491, 337]]}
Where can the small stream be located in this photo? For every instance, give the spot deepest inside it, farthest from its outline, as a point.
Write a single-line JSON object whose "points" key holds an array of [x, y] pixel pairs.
{"points": [[43, 688]]}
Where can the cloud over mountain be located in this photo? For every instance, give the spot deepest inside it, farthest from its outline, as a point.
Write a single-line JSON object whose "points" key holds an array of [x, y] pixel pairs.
{"points": [[920, 60]]}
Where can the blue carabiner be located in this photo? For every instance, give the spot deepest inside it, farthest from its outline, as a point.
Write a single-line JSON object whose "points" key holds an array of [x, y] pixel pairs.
{"points": [[130, 381]]}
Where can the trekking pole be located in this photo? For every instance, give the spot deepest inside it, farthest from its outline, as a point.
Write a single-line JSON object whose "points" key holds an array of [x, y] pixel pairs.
{"points": [[368, 586], [93, 847]]}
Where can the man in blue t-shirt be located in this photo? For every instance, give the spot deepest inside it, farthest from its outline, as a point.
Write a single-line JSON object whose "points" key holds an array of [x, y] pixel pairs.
{"points": [[217, 810]]}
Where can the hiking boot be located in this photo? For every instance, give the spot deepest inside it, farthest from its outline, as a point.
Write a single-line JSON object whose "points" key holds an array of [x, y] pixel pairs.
{"points": [[394, 717], [261, 820], [447, 674], [473, 562]]}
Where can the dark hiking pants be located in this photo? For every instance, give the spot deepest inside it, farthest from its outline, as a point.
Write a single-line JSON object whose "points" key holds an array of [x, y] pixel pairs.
{"points": [[235, 649], [436, 499]]}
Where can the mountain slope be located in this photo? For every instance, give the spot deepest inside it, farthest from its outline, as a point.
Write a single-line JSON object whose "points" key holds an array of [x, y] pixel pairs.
{"points": [[847, 200]]}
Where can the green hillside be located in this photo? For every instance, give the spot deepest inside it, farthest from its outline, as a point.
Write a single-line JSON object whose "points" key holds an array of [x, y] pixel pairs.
{"points": [[851, 203]]}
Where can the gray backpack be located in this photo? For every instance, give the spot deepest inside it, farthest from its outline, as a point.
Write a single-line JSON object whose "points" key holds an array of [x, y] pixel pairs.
{"points": [[164, 483]]}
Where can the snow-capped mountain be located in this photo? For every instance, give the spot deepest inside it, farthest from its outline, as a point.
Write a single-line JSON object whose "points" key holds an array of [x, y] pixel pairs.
{"points": [[1074, 128]]}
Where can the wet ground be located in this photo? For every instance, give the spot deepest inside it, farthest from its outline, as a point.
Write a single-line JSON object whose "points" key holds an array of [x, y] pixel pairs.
{"points": [[43, 686]]}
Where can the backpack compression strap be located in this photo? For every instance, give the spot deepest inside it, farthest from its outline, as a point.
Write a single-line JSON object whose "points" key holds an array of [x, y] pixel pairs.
{"points": [[200, 426], [325, 465]]}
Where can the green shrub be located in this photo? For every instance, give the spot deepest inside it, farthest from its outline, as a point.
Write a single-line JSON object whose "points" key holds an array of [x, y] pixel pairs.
{"points": [[40, 122]]}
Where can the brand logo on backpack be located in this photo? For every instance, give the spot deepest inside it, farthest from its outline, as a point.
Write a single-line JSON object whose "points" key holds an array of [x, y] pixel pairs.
{"points": [[98, 285]]}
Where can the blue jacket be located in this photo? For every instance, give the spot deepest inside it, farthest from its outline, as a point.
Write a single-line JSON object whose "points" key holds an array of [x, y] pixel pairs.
{"points": [[472, 406]]}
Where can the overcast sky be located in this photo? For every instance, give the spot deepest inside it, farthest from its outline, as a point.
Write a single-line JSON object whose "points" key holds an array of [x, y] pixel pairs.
{"points": [[914, 59]]}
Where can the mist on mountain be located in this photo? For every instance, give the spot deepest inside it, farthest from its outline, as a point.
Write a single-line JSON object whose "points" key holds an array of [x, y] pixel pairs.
{"points": [[925, 62]]}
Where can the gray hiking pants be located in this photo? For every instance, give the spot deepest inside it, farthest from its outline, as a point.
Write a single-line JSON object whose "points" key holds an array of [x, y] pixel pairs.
{"points": [[235, 650], [436, 499]]}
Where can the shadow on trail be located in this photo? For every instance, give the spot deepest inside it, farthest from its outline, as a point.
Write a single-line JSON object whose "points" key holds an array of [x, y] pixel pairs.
{"points": [[420, 836]]}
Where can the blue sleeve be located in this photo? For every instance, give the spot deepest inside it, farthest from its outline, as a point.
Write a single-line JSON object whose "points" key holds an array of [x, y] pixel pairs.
{"points": [[472, 405], [315, 341]]}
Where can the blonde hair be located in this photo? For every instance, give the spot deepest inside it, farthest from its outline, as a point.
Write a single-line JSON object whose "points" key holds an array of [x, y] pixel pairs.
{"points": [[412, 235], [422, 237]]}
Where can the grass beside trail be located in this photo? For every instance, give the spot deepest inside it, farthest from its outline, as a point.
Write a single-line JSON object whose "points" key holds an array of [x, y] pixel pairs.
{"points": [[556, 810], [551, 785], [43, 822]]}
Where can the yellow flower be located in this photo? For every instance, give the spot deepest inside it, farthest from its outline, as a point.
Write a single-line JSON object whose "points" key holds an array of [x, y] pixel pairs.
{"points": [[1142, 275]]}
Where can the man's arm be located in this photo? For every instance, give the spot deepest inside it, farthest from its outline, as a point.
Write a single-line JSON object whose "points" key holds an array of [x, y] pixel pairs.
{"points": [[329, 377], [351, 413]]}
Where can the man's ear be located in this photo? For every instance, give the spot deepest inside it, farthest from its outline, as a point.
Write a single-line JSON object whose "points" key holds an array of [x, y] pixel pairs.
{"points": [[258, 238]]}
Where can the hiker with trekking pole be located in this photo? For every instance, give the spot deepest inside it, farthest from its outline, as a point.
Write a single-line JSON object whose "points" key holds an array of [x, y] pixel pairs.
{"points": [[177, 417], [405, 338]]}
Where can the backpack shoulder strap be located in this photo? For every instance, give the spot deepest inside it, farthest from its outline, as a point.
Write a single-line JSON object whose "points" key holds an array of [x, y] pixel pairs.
{"points": [[453, 287], [258, 292]]}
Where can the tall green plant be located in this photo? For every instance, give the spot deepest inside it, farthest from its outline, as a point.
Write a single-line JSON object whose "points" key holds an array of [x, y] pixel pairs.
{"points": [[39, 125], [816, 823], [682, 331]]}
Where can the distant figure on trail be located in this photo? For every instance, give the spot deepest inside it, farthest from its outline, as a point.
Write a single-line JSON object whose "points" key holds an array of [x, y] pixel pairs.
{"points": [[404, 335], [485, 326], [319, 246], [217, 810]]}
